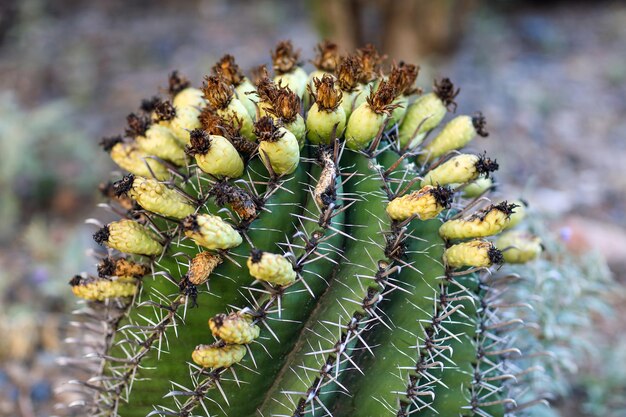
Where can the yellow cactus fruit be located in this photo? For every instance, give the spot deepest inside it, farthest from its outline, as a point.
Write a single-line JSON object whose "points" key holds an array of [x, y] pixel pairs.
{"points": [[189, 97], [488, 222], [278, 147], [215, 155], [519, 246], [218, 355], [234, 328], [270, 267], [368, 119], [160, 141], [478, 187], [326, 115], [184, 95], [424, 204], [201, 267], [457, 133], [221, 97], [426, 113], [210, 231], [101, 289], [154, 196], [186, 120], [111, 267], [129, 157], [476, 253], [129, 236], [460, 169], [519, 214]]}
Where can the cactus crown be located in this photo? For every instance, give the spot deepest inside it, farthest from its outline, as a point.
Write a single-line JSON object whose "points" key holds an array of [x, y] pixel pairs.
{"points": [[335, 276]]}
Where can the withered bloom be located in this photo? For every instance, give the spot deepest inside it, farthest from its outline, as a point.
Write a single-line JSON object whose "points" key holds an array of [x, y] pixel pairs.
{"points": [[284, 57], [327, 56], [446, 92], [380, 101], [177, 83], [164, 110], [137, 125], [370, 61], [326, 95], [258, 73], [214, 124], [349, 73], [217, 91], [403, 78], [266, 89], [229, 70], [285, 104], [199, 143], [266, 129]]}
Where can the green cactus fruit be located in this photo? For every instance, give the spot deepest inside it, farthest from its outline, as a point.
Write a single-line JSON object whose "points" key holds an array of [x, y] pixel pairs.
{"points": [[260, 276]]}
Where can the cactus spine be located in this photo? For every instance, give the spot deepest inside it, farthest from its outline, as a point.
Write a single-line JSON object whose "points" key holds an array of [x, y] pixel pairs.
{"points": [[269, 276]]}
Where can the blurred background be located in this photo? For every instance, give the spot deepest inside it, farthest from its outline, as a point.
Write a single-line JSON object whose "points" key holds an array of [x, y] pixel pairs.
{"points": [[550, 77]]}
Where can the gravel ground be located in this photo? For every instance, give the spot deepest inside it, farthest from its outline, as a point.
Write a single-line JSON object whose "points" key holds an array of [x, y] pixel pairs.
{"points": [[551, 82]]}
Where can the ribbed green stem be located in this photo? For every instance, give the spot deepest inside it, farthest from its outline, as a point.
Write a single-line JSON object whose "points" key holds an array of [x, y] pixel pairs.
{"points": [[153, 380], [394, 348]]}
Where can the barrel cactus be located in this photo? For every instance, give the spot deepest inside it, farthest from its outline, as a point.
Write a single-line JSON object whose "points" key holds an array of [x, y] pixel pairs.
{"points": [[280, 253]]}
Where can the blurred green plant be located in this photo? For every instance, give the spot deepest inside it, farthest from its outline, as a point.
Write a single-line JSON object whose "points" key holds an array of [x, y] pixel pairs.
{"points": [[567, 295], [43, 151]]}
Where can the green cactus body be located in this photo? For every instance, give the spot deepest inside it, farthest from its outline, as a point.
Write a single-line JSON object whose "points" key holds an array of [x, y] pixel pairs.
{"points": [[301, 279]]}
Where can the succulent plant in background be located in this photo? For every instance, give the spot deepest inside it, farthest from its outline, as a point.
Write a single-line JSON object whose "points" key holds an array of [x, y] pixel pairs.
{"points": [[259, 267]]}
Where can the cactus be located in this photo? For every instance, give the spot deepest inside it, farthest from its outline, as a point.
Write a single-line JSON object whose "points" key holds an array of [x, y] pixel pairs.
{"points": [[340, 276]]}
